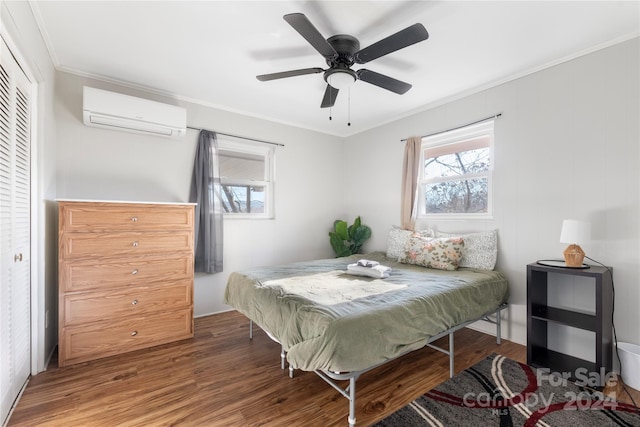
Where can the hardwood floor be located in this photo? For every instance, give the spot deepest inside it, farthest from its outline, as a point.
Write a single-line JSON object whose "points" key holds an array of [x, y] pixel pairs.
{"points": [[221, 378]]}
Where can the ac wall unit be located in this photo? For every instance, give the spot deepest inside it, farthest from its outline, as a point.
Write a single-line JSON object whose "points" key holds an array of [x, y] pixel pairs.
{"points": [[110, 110]]}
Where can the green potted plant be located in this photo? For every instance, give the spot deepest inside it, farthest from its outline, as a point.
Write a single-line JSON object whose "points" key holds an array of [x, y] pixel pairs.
{"points": [[347, 240]]}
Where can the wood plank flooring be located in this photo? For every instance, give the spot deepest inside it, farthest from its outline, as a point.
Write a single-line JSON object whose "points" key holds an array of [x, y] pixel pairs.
{"points": [[221, 378]]}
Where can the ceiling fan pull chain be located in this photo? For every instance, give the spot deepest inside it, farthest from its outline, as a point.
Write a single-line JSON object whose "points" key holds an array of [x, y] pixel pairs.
{"points": [[349, 106], [331, 107]]}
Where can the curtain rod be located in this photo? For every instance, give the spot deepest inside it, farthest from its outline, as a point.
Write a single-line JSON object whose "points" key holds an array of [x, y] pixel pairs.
{"points": [[495, 116], [238, 136]]}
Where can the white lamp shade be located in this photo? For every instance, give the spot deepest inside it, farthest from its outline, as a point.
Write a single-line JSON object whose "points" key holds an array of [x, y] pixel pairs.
{"points": [[340, 80], [575, 232]]}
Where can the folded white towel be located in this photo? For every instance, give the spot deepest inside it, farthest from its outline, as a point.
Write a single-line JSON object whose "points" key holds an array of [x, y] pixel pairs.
{"points": [[377, 272], [367, 263]]}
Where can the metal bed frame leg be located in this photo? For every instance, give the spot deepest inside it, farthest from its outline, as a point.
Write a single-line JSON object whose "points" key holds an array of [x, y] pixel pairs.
{"points": [[352, 402], [283, 356], [497, 322], [283, 361], [451, 356], [250, 329], [498, 326]]}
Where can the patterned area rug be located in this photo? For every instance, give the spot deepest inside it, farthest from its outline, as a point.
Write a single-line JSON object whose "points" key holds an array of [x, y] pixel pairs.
{"points": [[502, 392]]}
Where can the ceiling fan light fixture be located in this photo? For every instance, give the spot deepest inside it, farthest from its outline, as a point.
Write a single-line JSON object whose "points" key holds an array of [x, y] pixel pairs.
{"points": [[340, 78]]}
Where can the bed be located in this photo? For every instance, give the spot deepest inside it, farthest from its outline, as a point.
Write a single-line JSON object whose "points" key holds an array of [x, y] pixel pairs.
{"points": [[340, 326]]}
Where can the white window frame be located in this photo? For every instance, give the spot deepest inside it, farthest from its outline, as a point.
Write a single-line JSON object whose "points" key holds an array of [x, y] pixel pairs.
{"points": [[268, 153], [451, 138]]}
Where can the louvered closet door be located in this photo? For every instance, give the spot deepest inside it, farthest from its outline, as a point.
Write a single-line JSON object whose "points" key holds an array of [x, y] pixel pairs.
{"points": [[15, 318]]}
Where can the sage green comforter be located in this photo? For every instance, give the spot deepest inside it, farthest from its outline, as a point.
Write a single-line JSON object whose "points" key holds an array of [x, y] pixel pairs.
{"points": [[327, 319]]}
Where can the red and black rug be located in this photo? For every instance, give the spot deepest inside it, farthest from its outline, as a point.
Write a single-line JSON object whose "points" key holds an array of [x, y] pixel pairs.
{"points": [[502, 392]]}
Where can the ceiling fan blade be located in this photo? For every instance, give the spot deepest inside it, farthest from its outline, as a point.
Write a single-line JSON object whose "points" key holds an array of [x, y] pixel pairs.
{"points": [[292, 73], [403, 38], [330, 95], [383, 81], [302, 25]]}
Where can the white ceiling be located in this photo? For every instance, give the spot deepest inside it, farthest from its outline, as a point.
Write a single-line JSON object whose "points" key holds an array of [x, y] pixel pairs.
{"points": [[210, 51]]}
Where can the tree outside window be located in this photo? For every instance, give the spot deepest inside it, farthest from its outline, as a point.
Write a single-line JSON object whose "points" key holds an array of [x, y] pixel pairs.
{"points": [[246, 180], [456, 178]]}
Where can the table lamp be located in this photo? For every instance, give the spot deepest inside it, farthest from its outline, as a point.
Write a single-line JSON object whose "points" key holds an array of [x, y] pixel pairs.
{"points": [[574, 232]]}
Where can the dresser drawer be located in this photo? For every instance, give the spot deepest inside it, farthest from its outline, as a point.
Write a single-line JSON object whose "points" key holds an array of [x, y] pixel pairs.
{"points": [[90, 217], [104, 339], [98, 245], [130, 271], [88, 307]]}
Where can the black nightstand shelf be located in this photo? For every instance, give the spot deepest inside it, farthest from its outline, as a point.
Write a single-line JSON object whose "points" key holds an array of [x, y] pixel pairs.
{"points": [[565, 317], [540, 315], [559, 362]]}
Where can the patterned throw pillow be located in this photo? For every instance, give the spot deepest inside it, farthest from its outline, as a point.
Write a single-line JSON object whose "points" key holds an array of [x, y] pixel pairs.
{"points": [[398, 239], [438, 253], [480, 249]]}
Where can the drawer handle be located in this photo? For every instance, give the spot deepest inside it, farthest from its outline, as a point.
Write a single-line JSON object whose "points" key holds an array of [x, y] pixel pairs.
{"points": [[134, 272], [135, 244], [134, 302], [134, 219], [134, 333]]}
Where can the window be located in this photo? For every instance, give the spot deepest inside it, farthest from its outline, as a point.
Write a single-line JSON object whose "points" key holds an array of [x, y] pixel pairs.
{"points": [[456, 179], [246, 179]]}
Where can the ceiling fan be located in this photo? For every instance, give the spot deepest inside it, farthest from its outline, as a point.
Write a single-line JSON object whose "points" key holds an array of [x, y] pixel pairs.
{"points": [[342, 51]]}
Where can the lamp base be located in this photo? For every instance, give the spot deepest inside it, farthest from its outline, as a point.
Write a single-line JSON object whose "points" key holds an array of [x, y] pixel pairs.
{"points": [[573, 256]]}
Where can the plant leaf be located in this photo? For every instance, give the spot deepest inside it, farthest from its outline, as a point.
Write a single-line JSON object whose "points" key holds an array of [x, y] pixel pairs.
{"points": [[357, 223], [341, 229], [338, 245], [360, 235], [354, 227]]}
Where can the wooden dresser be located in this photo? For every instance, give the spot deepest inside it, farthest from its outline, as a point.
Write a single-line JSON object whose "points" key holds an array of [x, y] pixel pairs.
{"points": [[125, 277]]}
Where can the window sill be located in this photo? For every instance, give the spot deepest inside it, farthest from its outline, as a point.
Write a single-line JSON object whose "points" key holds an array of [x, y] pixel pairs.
{"points": [[247, 216], [455, 217]]}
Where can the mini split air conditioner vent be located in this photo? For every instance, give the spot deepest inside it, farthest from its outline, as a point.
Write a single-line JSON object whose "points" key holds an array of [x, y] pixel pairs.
{"points": [[115, 111]]}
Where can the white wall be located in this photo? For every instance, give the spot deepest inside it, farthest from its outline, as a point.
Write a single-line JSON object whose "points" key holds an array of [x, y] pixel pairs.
{"points": [[18, 25], [94, 163], [566, 146]]}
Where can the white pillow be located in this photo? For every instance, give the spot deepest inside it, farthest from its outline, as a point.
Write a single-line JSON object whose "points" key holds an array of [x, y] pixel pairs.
{"points": [[480, 249], [398, 239]]}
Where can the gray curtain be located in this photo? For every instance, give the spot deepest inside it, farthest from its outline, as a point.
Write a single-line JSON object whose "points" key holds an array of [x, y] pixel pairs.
{"points": [[208, 214]]}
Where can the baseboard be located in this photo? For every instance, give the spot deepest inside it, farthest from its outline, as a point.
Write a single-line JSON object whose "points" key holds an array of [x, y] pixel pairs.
{"points": [[213, 313]]}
